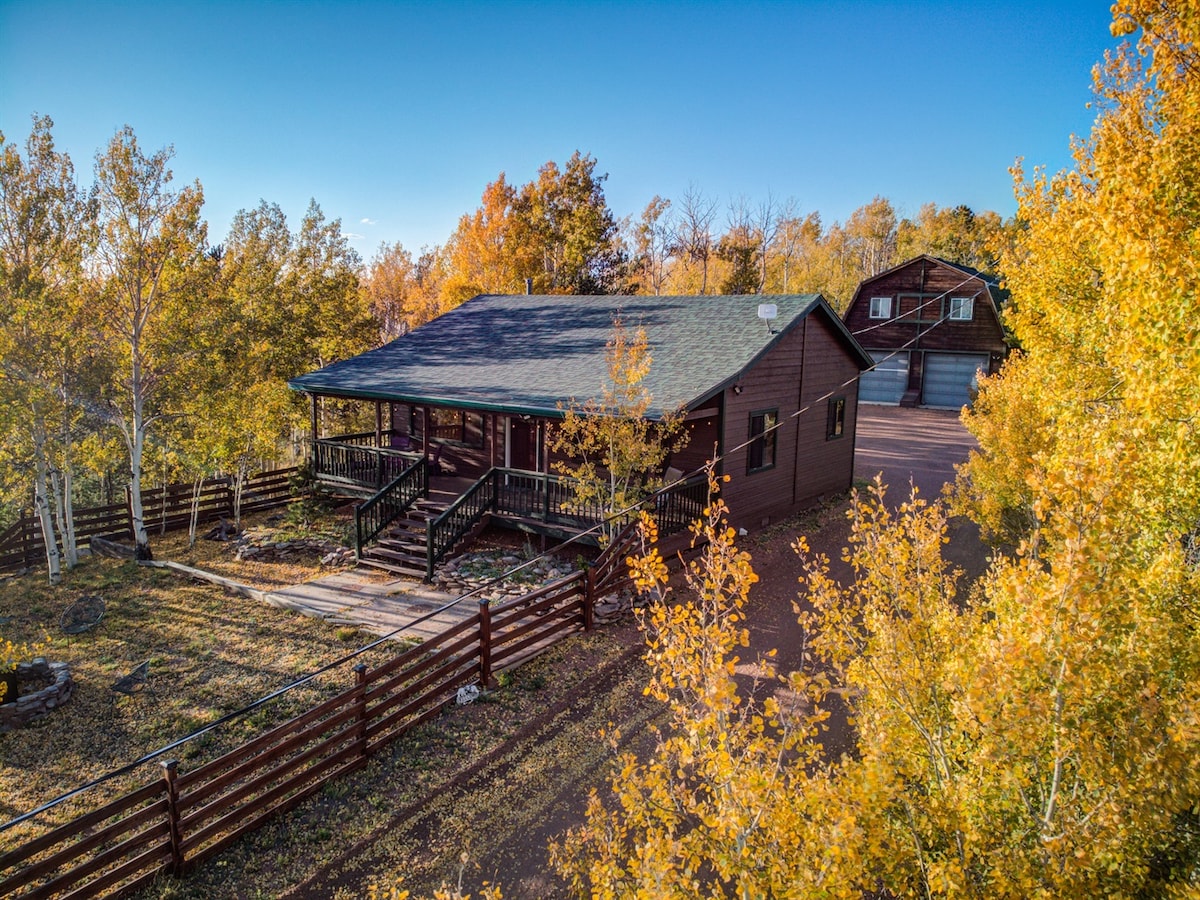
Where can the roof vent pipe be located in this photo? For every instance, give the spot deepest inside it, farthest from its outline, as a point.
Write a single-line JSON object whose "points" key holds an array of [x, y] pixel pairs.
{"points": [[528, 286]]}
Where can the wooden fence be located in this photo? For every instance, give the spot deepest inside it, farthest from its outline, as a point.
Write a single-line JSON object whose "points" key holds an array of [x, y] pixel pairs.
{"points": [[181, 818], [164, 509]]}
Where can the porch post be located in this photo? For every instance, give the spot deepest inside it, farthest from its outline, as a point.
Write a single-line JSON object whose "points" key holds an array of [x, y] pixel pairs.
{"points": [[425, 430], [543, 460], [313, 397], [378, 444]]}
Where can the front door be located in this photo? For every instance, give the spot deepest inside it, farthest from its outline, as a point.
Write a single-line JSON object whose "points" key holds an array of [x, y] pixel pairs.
{"points": [[522, 445]]}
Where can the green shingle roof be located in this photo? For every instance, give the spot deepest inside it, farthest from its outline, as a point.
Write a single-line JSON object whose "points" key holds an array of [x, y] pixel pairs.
{"points": [[529, 354]]}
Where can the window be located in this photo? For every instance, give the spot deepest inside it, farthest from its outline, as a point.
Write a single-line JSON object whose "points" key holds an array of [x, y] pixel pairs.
{"points": [[835, 420], [762, 443], [881, 307], [962, 309]]}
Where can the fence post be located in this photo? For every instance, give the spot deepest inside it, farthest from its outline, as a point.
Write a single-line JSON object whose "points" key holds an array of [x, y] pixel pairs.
{"points": [[170, 769], [360, 701], [589, 599], [485, 642]]}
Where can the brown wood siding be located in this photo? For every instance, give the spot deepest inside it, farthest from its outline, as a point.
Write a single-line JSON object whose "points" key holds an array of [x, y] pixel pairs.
{"points": [[923, 289], [703, 436], [795, 375]]}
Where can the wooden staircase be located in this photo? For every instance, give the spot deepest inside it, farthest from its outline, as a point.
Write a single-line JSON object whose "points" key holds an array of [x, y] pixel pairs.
{"points": [[402, 548]]}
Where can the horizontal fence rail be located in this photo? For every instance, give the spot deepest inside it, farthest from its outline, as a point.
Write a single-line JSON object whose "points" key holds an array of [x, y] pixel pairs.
{"points": [[22, 545], [179, 819]]}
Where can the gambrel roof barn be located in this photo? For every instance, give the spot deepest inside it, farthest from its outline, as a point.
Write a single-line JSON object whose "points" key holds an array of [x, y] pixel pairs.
{"points": [[930, 326]]}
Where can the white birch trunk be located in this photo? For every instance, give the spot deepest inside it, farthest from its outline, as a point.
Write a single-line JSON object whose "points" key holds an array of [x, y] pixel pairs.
{"points": [[57, 492], [41, 505], [68, 526], [239, 482], [136, 439], [195, 510]]}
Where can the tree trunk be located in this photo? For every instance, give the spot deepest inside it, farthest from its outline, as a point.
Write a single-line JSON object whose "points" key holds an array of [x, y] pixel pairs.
{"points": [[41, 506], [136, 439], [137, 513], [68, 526], [58, 489], [195, 511], [238, 484]]}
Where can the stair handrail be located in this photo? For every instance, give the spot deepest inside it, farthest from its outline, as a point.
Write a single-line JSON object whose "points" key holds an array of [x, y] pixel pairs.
{"points": [[448, 527], [385, 507], [674, 508], [677, 506]]}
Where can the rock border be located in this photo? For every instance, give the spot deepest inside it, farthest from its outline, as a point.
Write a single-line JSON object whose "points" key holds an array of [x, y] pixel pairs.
{"points": [[29, 707]]}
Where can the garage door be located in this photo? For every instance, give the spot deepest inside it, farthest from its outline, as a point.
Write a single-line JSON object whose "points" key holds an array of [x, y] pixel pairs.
{"points": [[950, 378], [888, 381]]}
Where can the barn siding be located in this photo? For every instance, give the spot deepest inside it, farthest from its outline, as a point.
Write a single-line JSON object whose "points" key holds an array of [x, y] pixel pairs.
{"points": [[917, 328], [795, 374]]}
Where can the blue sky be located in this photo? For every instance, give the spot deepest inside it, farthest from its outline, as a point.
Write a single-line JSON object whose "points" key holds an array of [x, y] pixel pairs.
{"points": [[394, 116]]}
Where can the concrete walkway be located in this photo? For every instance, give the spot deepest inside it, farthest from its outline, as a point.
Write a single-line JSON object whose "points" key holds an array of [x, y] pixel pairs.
{"points": [[408, 608]]}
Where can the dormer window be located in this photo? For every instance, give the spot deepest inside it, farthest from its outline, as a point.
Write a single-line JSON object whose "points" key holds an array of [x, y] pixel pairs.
{"points": [[881, 307]]}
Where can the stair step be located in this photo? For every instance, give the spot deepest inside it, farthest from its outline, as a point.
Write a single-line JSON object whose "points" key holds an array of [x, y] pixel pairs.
{"points": [[399, 544], [409, 524], [390, 566], [395, 554]]}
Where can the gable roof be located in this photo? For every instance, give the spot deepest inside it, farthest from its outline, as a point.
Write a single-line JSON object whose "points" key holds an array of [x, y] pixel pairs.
{"points": [[522, 354]]}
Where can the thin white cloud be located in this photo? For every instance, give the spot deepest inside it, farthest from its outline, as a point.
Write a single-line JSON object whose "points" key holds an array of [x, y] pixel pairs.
{"points": [[355, 236], [366, 221]]}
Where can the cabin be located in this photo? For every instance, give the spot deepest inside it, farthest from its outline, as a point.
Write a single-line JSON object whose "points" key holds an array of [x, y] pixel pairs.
{"points": [[464, 407], [930, 327]]}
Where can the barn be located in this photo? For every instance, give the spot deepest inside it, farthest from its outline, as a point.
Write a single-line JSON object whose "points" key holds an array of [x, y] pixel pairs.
{"points": [[930, 327]]}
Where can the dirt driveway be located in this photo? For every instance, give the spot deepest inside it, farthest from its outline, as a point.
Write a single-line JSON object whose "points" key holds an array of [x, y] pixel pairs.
{"points": [[918, 445], [504, 806], [923, 445]]}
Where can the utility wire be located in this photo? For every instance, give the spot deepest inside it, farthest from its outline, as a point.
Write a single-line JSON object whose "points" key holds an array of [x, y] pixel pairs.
{"points": [[486, 586]]}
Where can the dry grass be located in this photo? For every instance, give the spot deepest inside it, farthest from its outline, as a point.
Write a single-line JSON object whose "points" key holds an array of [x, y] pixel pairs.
{"points": [[531, 746], [210, 653]]}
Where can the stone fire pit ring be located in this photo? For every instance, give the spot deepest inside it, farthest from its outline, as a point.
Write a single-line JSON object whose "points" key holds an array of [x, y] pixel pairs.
{"points": [[28, 707]]}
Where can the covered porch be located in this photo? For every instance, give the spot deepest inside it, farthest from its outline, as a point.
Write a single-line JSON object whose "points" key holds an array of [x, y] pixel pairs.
{"points": [[459, 444], [429, 477]]}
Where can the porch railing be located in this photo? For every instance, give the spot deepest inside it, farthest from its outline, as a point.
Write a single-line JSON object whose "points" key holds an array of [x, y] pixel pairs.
{"points": [[390, 504], [549, 499], [341, 462], [675, 509], [537, 495]]}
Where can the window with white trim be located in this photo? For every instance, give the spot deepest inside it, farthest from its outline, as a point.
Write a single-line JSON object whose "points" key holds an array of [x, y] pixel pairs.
{"points": [[962, 309], [881, 307]]}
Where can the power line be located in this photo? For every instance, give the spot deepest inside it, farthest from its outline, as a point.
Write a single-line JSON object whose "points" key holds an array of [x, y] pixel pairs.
{"points": [[620, 515]]}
